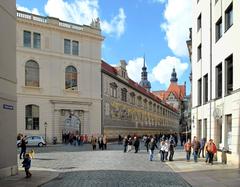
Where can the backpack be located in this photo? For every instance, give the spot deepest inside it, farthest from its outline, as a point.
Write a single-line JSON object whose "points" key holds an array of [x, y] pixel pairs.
{"points": [[214, 148]]}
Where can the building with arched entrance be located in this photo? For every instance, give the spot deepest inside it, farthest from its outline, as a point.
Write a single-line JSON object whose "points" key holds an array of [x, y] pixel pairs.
{"points": [[59, 76]]}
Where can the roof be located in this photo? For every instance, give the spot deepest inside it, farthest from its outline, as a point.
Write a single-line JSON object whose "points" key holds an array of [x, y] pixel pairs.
{"points": [[113, 71], [179, 91]]}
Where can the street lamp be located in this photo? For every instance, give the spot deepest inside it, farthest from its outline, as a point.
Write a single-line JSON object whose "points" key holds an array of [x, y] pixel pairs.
{"points": [[45, 125]]}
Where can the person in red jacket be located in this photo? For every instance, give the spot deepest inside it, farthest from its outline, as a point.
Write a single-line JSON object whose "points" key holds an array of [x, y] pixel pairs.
{"points": [[211, 150]]}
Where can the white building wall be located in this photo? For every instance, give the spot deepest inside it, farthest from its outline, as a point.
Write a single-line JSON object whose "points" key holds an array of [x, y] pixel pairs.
{"points": [[225, 46]]}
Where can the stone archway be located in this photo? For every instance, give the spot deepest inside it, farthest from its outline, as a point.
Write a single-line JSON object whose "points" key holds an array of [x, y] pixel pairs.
{"points": [[72, 123]]}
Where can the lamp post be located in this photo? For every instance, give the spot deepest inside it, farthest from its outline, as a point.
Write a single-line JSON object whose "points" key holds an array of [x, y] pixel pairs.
{"points": [[45, 125]]}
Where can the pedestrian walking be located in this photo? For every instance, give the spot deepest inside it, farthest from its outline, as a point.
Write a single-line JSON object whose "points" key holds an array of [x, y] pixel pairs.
{"points": [[171, 149], [211, 150], [23, 146], [27, 164], [202, 146], [129, 145], [136, 144], [125, 144], [105, 142], [152, 146], [187, 148], [147, 141], [94, 142], [162, 149], [196, 147]]}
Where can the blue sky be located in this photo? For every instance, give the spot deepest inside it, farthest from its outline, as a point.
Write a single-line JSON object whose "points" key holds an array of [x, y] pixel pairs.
{"points": [[132, 28]]}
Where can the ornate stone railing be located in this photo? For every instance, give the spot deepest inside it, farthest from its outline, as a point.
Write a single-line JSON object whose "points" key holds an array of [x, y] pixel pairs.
{"points": [[49, 20], [33, 17]]}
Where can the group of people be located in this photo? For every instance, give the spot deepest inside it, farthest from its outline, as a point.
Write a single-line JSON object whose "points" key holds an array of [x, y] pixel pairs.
{"points": [[74, 138], [206, 148], [101, 141], [167, 144], [128, 142]]}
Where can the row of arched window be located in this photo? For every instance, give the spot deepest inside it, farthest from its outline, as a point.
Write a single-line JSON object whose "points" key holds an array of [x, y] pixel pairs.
{"points": [[32, 73]]}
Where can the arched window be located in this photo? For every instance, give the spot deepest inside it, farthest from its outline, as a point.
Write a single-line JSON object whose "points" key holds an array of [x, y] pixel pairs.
{"points": [[71, 78], [31, 73], [32, 117]]}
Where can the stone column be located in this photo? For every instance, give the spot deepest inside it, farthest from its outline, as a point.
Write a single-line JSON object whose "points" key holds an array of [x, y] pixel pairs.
{"points": [[236, 131], [57, 126]]}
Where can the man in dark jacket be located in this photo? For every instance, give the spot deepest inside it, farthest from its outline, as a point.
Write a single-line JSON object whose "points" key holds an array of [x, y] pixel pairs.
{"points": [[136, 144], [23, 147], [125, 144], [196, 147]]}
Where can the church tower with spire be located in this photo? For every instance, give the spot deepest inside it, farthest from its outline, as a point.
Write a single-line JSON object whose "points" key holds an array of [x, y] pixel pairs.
{"points": [[144, 80], [174, 78]]}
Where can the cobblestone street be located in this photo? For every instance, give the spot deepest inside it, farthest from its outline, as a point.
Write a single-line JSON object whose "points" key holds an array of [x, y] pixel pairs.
{"points": [[80, 166], [65, 165]]}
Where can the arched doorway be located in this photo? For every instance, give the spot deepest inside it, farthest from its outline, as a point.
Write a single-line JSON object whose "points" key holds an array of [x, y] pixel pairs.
{"points": [[72, 124]]}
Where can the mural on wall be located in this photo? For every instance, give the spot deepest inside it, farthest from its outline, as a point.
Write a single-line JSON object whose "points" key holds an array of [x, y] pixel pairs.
{"points": [[122, 111]]}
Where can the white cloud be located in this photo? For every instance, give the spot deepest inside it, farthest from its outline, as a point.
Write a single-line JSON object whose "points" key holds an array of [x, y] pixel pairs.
{"points": [[79, 11], [178, 14], [117, 24], [82, 12], [162, 72], [134, 69], [24, 9]]}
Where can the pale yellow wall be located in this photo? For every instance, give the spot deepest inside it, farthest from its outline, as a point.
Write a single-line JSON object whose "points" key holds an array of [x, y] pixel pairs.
{"points": [[52, 62]]}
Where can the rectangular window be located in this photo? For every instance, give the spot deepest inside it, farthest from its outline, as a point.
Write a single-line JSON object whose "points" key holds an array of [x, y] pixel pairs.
{"points": [[199, 129], [219, 80], [229, 75], [199, 22], [67, 46], [229, 129], [75, 48], [205, 128], [205, 91], [219, 130], [26, 38], [36, 40], [229, 17], [124, 95], [200, 91], [199, 52], [219, 29]]}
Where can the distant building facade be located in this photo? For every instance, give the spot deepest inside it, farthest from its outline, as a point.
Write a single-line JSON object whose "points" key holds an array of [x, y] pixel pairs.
{"points": [[129, 108], [8, 81], [59, 76], [215, 75], [175, 96]]}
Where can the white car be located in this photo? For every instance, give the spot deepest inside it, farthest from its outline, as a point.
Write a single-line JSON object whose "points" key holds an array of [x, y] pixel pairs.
{"points": [[33, 141]]}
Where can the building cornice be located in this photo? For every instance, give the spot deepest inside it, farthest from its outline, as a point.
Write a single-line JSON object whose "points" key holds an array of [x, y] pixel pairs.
{"points": [[56, 24]]}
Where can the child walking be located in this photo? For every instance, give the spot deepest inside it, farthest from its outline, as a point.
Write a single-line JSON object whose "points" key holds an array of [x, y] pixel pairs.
{"points": [[27, 164]]}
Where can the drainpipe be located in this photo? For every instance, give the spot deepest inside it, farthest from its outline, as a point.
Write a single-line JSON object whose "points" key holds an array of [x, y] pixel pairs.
{"points": [[210, 74]]}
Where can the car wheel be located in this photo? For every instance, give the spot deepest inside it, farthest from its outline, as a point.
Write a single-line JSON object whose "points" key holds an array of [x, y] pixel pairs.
{"points": [[40, 144]]}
